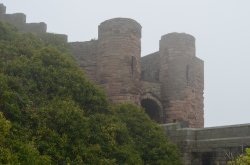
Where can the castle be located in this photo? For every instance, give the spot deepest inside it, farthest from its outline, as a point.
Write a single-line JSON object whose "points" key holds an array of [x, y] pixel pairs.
{"points": [[168, 84]]}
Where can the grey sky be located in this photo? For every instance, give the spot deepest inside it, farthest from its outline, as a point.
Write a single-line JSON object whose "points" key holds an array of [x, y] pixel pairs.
{"points": [[221, 29]]}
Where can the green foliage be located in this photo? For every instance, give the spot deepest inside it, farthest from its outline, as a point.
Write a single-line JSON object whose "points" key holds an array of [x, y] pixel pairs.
{"points": [[51, 114], [112, 136], [17, 151], [148, 138], [6, 156], [242, 159], [4, 127], [7, 32]]}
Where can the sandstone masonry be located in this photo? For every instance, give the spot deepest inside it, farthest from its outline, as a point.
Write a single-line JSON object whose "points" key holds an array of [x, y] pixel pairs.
{"points": [[168, 83], [19, 21]]}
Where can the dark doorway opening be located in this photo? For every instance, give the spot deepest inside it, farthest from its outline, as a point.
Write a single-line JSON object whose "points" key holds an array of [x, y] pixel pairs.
{"points": [[207, 158], [152, 109]]}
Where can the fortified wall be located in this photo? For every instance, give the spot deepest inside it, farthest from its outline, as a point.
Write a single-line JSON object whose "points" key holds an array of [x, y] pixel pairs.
{"points": [[19, 21], [168, 83]]}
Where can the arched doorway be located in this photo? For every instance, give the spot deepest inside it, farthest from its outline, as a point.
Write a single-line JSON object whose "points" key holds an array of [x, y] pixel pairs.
{"points": [[152, 109]]}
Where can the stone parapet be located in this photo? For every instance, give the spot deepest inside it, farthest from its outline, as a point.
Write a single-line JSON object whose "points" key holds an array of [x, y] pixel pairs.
{"points": [[209, 144], [19, 21]]}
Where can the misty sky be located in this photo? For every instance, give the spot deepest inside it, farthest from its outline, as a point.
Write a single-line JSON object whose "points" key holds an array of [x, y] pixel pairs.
{"points": [[221, 29]]}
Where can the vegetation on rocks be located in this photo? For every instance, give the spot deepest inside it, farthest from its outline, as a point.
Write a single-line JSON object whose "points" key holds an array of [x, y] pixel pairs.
{"points": [[51, 114]]}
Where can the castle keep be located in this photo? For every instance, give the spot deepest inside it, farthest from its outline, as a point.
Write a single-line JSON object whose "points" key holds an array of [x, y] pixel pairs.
{"points": [[168, 83]]}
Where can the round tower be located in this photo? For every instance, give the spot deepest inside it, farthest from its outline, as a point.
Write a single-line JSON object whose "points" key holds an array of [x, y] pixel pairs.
{"points": [[176, 52], [118, 61], [179, 80]]}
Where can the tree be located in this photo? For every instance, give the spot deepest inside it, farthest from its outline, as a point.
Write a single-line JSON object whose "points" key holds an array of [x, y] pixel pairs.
{"points": [[51, 114], [147, 136], [242, 159]]}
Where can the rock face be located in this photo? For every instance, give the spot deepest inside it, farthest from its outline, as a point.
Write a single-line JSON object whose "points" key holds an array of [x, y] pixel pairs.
{"points": [[168, 84]]}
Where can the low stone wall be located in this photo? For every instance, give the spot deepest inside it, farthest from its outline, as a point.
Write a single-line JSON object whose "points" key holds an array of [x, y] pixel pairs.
{"points": [[209, 146]]}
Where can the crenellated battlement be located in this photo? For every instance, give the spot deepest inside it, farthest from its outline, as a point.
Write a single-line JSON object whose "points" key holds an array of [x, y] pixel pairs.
{"points": [[19, 21]]}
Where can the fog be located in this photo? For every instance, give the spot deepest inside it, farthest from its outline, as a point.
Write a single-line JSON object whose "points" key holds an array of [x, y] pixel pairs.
{"points": [[221, 29]]}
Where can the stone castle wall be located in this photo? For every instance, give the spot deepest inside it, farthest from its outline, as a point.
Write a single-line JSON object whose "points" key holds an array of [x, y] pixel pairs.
{"points": [[209, 146], [85, 54], [178, 78], [168, 84], [19, 21], [118, 60], [180, 74], [150, 67], [173, 76]]}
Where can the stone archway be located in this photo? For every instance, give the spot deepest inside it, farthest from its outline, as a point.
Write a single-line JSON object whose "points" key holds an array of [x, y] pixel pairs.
{"points": [[152, 107]]}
